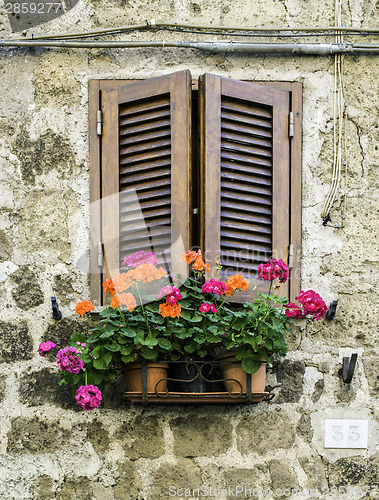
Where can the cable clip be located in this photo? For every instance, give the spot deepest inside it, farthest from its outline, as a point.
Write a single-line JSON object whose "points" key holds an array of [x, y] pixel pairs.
{"points": [[151, 23]]}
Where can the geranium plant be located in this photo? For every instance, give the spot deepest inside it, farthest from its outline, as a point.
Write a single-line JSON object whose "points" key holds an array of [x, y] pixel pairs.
{"points": [[153, 315]]}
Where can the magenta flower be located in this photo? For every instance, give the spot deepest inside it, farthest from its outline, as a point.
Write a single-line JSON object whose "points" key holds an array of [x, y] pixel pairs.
{"points": [[68, 360], [45, 347], [88, 397], [171, 293], [214, 286], [140, 257], [205, 307], [312, 304], [273, 269], [293, 311]]}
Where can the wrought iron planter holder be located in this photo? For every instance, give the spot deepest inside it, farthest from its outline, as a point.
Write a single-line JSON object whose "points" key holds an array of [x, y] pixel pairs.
{"points": [[218, 397]]}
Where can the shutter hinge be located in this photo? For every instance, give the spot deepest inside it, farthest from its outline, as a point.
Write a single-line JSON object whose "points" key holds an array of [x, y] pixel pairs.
{"points": [[290, 124], [195, 211], [100, 255], [99, 122], [290, 256]]}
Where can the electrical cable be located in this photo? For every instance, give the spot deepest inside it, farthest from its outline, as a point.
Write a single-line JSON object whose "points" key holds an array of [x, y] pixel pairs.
{"points": [[152, 25]]}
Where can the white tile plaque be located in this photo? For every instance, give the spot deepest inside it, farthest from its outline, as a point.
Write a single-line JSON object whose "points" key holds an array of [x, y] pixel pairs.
{"points": [[346, 433]]}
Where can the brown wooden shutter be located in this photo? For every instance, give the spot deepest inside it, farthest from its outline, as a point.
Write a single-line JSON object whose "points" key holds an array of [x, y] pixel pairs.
{"points": [[245, 170], [145, 170]]}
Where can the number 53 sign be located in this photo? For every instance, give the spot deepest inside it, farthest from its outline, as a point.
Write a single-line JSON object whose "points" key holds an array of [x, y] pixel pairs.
{"points": [[346, 433]]}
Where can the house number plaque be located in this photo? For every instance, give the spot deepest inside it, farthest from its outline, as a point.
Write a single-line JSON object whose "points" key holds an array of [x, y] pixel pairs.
{"points": [[346, 433]]}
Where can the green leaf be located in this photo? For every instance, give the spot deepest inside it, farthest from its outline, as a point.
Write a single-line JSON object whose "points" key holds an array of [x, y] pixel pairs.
{"points": [[127, 358], [164, 344], [149, 353], [128, 332], [112, 347], [250, 365]]}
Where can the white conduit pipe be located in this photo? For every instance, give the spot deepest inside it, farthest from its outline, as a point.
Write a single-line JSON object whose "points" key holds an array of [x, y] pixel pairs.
{"points": [[315, 49]]}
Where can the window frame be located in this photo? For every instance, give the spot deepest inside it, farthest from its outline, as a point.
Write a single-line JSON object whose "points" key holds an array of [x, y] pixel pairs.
{"points": [[95, 156]]}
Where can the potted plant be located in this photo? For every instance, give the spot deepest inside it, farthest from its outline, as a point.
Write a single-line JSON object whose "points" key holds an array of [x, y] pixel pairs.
{"points": [[153, 316]]}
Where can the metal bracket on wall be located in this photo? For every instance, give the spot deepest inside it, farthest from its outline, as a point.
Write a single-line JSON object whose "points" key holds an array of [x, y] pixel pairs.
{"points": [[348, 367], [57, 315]]}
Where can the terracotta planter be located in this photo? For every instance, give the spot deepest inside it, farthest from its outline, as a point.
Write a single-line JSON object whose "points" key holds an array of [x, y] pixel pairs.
{"points": [[155, 373], [234, 375]]}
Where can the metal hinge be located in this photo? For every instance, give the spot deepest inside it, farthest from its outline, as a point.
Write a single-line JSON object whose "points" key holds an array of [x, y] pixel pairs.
{"points": [[290, 124], [195, 211], [290, 256], [99, 122], [100, 254]]}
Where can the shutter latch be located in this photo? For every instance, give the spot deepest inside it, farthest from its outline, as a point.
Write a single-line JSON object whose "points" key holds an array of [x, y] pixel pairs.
{"points": [[99, 122], [290, 256], [100, 255], [290, 124]]}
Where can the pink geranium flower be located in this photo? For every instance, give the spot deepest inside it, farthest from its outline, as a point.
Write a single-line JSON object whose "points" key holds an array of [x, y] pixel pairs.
{"points": [[140, 257], [293, 311], [171, 293], [312, 304], [205, 307], [214, 286], [273, 269], [45, 347], [68, 360], [88, 397]]}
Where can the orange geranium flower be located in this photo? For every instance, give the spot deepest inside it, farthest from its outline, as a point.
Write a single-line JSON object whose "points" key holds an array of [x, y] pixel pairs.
{"points": [[83, 307], [230, 290], [115, 302], [109, 287], [238, 282], [190, 256], [128, 300], [172, 310], [146, 273], [121, 282]]}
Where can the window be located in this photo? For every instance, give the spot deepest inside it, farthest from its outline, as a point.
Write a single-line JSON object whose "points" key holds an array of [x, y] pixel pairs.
{"points": [[212, 163]]}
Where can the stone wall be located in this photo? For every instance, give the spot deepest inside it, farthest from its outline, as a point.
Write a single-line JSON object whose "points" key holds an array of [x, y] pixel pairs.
{"points": [[48, 447]]}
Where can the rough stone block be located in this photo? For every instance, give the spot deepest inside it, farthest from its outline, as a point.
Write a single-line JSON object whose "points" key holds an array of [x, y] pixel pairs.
{"points": [[129, 482], [32, 435], [372, 376], [304, 428], [75, 489], [60, 332], [43, 488], [354, 471], [315, 471], [15, 342], [142, 439], [180, 478], [98, 435], [242, 482], [41, 387], [201, 436], [265, 430], [28, 293], [283, 480], [290, 374]]}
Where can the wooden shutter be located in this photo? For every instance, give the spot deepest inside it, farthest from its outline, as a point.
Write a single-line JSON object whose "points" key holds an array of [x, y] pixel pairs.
{"points": [[145, 170], [245, 170]]}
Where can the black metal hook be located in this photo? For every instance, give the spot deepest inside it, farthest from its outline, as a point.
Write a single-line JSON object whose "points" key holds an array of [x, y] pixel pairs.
{"points": [[348, 367], [57, 315], [331, 312]]}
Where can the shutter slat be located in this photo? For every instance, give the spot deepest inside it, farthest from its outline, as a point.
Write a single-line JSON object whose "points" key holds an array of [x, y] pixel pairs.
{"points": [[238, 177], [145, 156], [151, 124], [150, 145], [143, 106], [250, 161], [230, 136], [151, 136], [239, 106], [252, 149], [242, 118]]}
